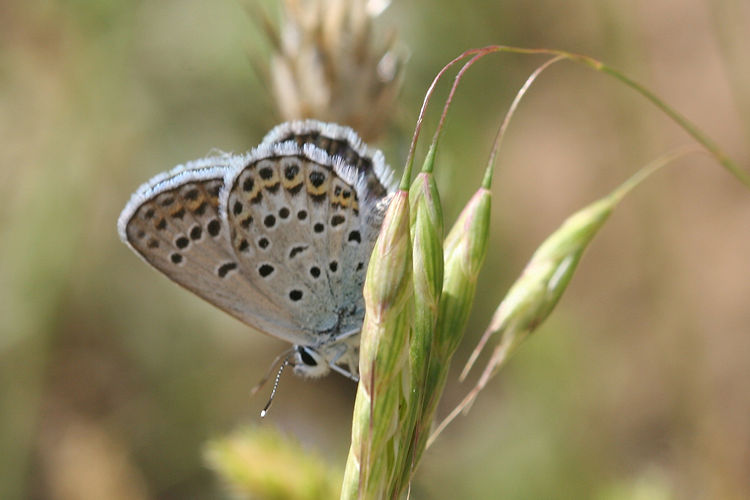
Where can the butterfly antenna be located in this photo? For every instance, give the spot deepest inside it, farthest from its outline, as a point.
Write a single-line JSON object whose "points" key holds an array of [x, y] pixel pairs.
{"points": [[275, 386], [270, 370]]}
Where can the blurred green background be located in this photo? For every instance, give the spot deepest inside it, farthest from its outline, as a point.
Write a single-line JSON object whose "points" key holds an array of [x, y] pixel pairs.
{"points": [[638, 387]]}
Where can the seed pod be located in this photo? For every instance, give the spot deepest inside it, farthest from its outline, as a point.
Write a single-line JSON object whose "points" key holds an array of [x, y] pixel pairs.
{"points": [[384, 349], [464, 252], [544, 279], [536, 292], [427, 256]]}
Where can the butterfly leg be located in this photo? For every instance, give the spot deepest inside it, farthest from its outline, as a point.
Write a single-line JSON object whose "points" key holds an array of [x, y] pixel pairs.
{"points": [[347, 354]]}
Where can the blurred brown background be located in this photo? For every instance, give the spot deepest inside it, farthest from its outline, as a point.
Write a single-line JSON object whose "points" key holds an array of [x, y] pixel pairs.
{"points": [[112, 378]]}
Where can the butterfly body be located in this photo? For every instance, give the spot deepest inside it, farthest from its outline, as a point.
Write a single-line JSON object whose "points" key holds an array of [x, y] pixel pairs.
{"points": [[279, 237]]}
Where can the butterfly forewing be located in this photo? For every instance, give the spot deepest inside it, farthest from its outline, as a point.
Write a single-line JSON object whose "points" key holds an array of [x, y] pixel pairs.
{"points": [[174, 223]]}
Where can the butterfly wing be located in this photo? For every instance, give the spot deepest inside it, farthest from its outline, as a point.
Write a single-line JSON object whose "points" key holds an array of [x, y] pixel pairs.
{"points": [[373, 176], [173, 222], [279, 237], [298, 230]]}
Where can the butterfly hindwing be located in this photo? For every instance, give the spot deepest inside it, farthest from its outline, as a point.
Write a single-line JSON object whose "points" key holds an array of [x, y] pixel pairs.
{"points": [[296, 226]]}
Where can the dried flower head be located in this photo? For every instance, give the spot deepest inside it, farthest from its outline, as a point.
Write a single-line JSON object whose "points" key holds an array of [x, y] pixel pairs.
{"points": [[328, 65]]}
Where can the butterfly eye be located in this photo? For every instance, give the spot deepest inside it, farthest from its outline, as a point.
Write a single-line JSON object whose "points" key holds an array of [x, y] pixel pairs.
{"points": [[307, 356]]}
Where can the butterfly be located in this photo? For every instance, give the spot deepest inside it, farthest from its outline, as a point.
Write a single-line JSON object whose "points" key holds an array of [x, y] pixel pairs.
{"points": [[279, 237]]}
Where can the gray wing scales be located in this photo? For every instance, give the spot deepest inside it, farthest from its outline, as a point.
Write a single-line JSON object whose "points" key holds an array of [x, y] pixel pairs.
{"points": [[279, 237], [174, 223]]}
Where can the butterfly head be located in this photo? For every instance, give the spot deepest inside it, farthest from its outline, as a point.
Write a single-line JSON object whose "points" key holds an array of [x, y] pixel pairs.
{"points": [[308, 362], [341, 357]]}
